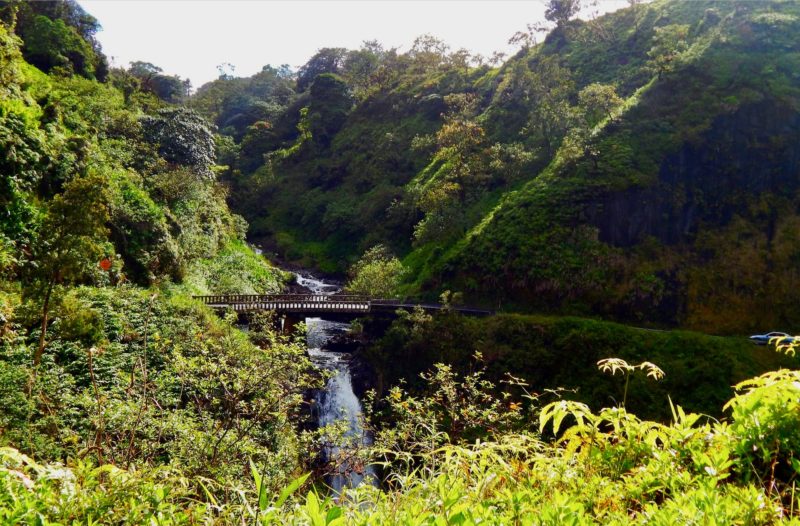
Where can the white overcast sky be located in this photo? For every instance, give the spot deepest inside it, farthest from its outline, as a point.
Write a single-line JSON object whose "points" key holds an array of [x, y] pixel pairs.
{"points": [[190, 38]]}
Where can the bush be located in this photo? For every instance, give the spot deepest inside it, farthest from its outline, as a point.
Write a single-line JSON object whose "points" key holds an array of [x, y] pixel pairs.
{"points": [[377, 274], [183, 137], [765, 427], [150, 378]]}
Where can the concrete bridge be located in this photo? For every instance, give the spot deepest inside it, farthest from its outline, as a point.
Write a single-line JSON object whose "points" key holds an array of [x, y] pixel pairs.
{"points": [[318, 305]]}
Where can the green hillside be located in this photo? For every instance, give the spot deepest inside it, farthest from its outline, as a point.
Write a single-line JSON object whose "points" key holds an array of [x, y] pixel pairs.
{"points": [[640, 166], [624, 191], [111, 217]]}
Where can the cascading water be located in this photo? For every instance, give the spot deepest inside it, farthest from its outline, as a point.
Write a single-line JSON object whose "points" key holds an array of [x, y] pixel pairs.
{"points": [[315, 285], [337, 401]]}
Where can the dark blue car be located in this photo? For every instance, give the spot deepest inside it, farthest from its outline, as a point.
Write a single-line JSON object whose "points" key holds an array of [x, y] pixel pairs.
{"points": [[764, 339]]}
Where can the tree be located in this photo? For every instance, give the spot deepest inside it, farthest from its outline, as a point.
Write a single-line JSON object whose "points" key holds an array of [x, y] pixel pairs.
{"points": [[461, 153], [669, 45], [599, 101], [329, 104], [360, 66], [284, 71], [461, 142], [72, 241], [377, 274], [526, 39], [547, 91], [596, 102], [326, 60], [235, 104], [460, 59], [497, 58], [143, 70], [183, 137], [428, 44], [68, 11], [561, 11], [428, 53], [53, 44], [169, 88], [226, 70], [58, 34]]}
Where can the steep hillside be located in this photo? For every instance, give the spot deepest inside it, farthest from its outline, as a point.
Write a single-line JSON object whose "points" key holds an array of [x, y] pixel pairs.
{"points": [[103, 171], [111, 216], [683, 207], [641, 165]]}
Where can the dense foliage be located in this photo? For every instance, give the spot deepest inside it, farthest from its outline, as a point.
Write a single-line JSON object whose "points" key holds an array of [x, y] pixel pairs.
{"points": [[640, 165], [606, 465], [57, 36], [551, 353], [377, 274], [112, 217]]}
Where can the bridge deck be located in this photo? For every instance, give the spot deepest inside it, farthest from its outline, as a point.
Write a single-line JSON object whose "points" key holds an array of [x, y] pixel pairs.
{"points": [[319, 304]]}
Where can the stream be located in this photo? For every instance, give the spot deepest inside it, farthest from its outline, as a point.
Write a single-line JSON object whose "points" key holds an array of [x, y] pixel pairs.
{"points": [[337, 401]]}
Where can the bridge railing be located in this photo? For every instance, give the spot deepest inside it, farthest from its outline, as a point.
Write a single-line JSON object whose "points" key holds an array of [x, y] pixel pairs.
{"points": [[385, 301], [345, 303], [228, 299]]}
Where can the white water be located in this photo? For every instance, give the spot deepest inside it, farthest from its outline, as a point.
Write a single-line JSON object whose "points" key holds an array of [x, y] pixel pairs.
{"points": [[336, 401], [317, 286]]}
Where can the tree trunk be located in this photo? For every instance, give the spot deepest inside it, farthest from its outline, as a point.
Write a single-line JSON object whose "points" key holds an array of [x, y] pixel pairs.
{"points": [[37, 357]]}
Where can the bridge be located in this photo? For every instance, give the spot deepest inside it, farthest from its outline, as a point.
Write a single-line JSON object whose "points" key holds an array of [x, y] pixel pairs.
{"points": [[322, 304]]}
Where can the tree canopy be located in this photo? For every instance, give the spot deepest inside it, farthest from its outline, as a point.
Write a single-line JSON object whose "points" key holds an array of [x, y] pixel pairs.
{"points": [[59, 34], [561, 11], [377, 274], [183, 137], [326, 60]]}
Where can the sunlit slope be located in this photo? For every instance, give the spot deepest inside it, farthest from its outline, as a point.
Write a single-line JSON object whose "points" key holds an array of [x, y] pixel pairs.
{"points": [[673, 203], [686, 209]]}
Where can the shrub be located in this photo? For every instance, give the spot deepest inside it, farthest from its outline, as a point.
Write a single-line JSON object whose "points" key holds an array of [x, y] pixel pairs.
{"points": [[378, 274]]}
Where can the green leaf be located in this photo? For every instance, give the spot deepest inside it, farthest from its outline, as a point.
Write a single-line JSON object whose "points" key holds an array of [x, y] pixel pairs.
{"points": [[313, 510], [333, 514], [291, 488], [262, 497]]}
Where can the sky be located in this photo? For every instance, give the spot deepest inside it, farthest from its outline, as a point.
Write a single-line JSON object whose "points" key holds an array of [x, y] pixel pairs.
{"points": [[191, 38]]}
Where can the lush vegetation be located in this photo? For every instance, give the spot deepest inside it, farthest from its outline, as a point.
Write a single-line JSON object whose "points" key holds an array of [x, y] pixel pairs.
{"points": [[589, 173], [551, 353], [112, 218], [642, 166], [535, 461], [377, 274]]}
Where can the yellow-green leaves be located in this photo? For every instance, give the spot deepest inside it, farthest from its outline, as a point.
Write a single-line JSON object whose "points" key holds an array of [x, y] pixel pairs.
{"points": [[555, 412], [615, 365]]}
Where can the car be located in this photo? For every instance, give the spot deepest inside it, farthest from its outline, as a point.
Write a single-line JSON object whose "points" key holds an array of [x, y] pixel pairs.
{"points": [[764, 339]]}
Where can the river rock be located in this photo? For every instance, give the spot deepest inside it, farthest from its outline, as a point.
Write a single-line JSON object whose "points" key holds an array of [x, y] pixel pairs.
{"points": [[345, 343]]}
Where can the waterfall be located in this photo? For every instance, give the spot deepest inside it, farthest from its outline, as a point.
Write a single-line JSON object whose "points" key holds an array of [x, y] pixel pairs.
{"points": [[337, 401], [317, 286]]}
